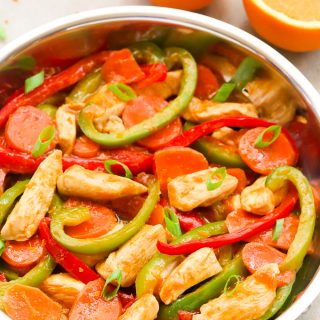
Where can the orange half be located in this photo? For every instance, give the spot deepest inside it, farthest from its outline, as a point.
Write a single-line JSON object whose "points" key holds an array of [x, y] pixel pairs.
{"points": [[292, 24]]}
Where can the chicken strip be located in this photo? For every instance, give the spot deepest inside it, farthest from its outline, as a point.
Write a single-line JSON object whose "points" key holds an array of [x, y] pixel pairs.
{"points": [[190, 191], [25, 217], [77, 181], [198, 266], [251, 299], [133, 255], [145, 308]]}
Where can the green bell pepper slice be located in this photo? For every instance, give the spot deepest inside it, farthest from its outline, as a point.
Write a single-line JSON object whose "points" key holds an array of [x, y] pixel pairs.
{"points": [[88, 85], [281, 297], [208, 291], [33, 278], [147, 52], [10, 275], [303, 238], [108, 242], [50, 109], [148, 277], [216, 152], [8, 198], [158, 121]]}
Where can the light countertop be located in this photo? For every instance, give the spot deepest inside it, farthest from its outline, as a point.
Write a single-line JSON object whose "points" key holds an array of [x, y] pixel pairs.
{"points": [[20, 16]]}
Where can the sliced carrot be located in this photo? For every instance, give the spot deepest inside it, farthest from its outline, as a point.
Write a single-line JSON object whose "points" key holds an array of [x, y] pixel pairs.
{"points": [[26, 303], [101, 222], [145, 107], [177, 161], [122, 67], [128, 208], [207, 83], [241, 176], [255, 255], [264, 160], [24, 126], [23, 254], [85, 148], [240, 218], [89, 304]]}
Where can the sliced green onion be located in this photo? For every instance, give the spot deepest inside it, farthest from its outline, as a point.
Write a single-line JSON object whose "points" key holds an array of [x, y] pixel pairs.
{"points": [[43, 142], [2, 246], [109, 163], [33, 82], [122, 91], [277, 229], [221, 173], [224, 92], [172, 222], [3, 33], [226, 286], [260, 143], [115, 275], [246, 72]]}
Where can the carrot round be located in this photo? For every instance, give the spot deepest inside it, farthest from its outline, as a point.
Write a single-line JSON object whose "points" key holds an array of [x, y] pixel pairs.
{"points": [[24, 126], [264, 160], [145, 107], [23, 254], [128, 208], [102, 220], [89, 304], [85, 148], [241, 176], [177, 161], [26, 303], [255, 255], [207, 83]]}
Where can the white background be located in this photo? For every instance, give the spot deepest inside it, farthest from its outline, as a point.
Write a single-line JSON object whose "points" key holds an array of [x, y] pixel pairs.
{"points": [[19, 16]]}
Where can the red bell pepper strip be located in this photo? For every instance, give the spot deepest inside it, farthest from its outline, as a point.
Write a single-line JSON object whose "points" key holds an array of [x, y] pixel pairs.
{"points": [[193, 134], [24, 163], [156, 72], [185, 315], [53, 84], [190, 220], [67, 260], [282, 211]]}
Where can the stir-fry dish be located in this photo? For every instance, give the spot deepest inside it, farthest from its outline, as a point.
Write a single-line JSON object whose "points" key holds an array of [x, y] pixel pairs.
{"points": [[144, 183]]}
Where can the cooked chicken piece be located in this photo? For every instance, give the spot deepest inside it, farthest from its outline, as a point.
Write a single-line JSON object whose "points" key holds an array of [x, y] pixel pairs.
{"points": [[232, 203], [259, 199], [133, 255], [251, 299], [145, 308], [77, 181], [165, 89], [206, 110], [25, 217], [198, 266], [225, 134], [113, 125], [66, 120], [62, 288], [190, 191], [273, 98]]}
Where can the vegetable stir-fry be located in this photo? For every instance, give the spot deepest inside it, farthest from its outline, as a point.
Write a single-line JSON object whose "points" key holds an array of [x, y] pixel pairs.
{"points": [[157, 189]]}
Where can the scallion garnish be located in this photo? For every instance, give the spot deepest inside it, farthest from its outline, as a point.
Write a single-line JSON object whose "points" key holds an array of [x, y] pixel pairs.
{"points": [[226, 286], [246, 72], [172, 222], [277, 229], [3, 34], [43, 142], [260, 143], [224, 92], [115, 275], [122, 91], [2, 246], [109, 163], [221, 173], [34, 81]]}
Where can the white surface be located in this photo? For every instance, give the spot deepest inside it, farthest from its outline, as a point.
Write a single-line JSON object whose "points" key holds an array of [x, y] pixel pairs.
{"points": [[19, 16]]}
